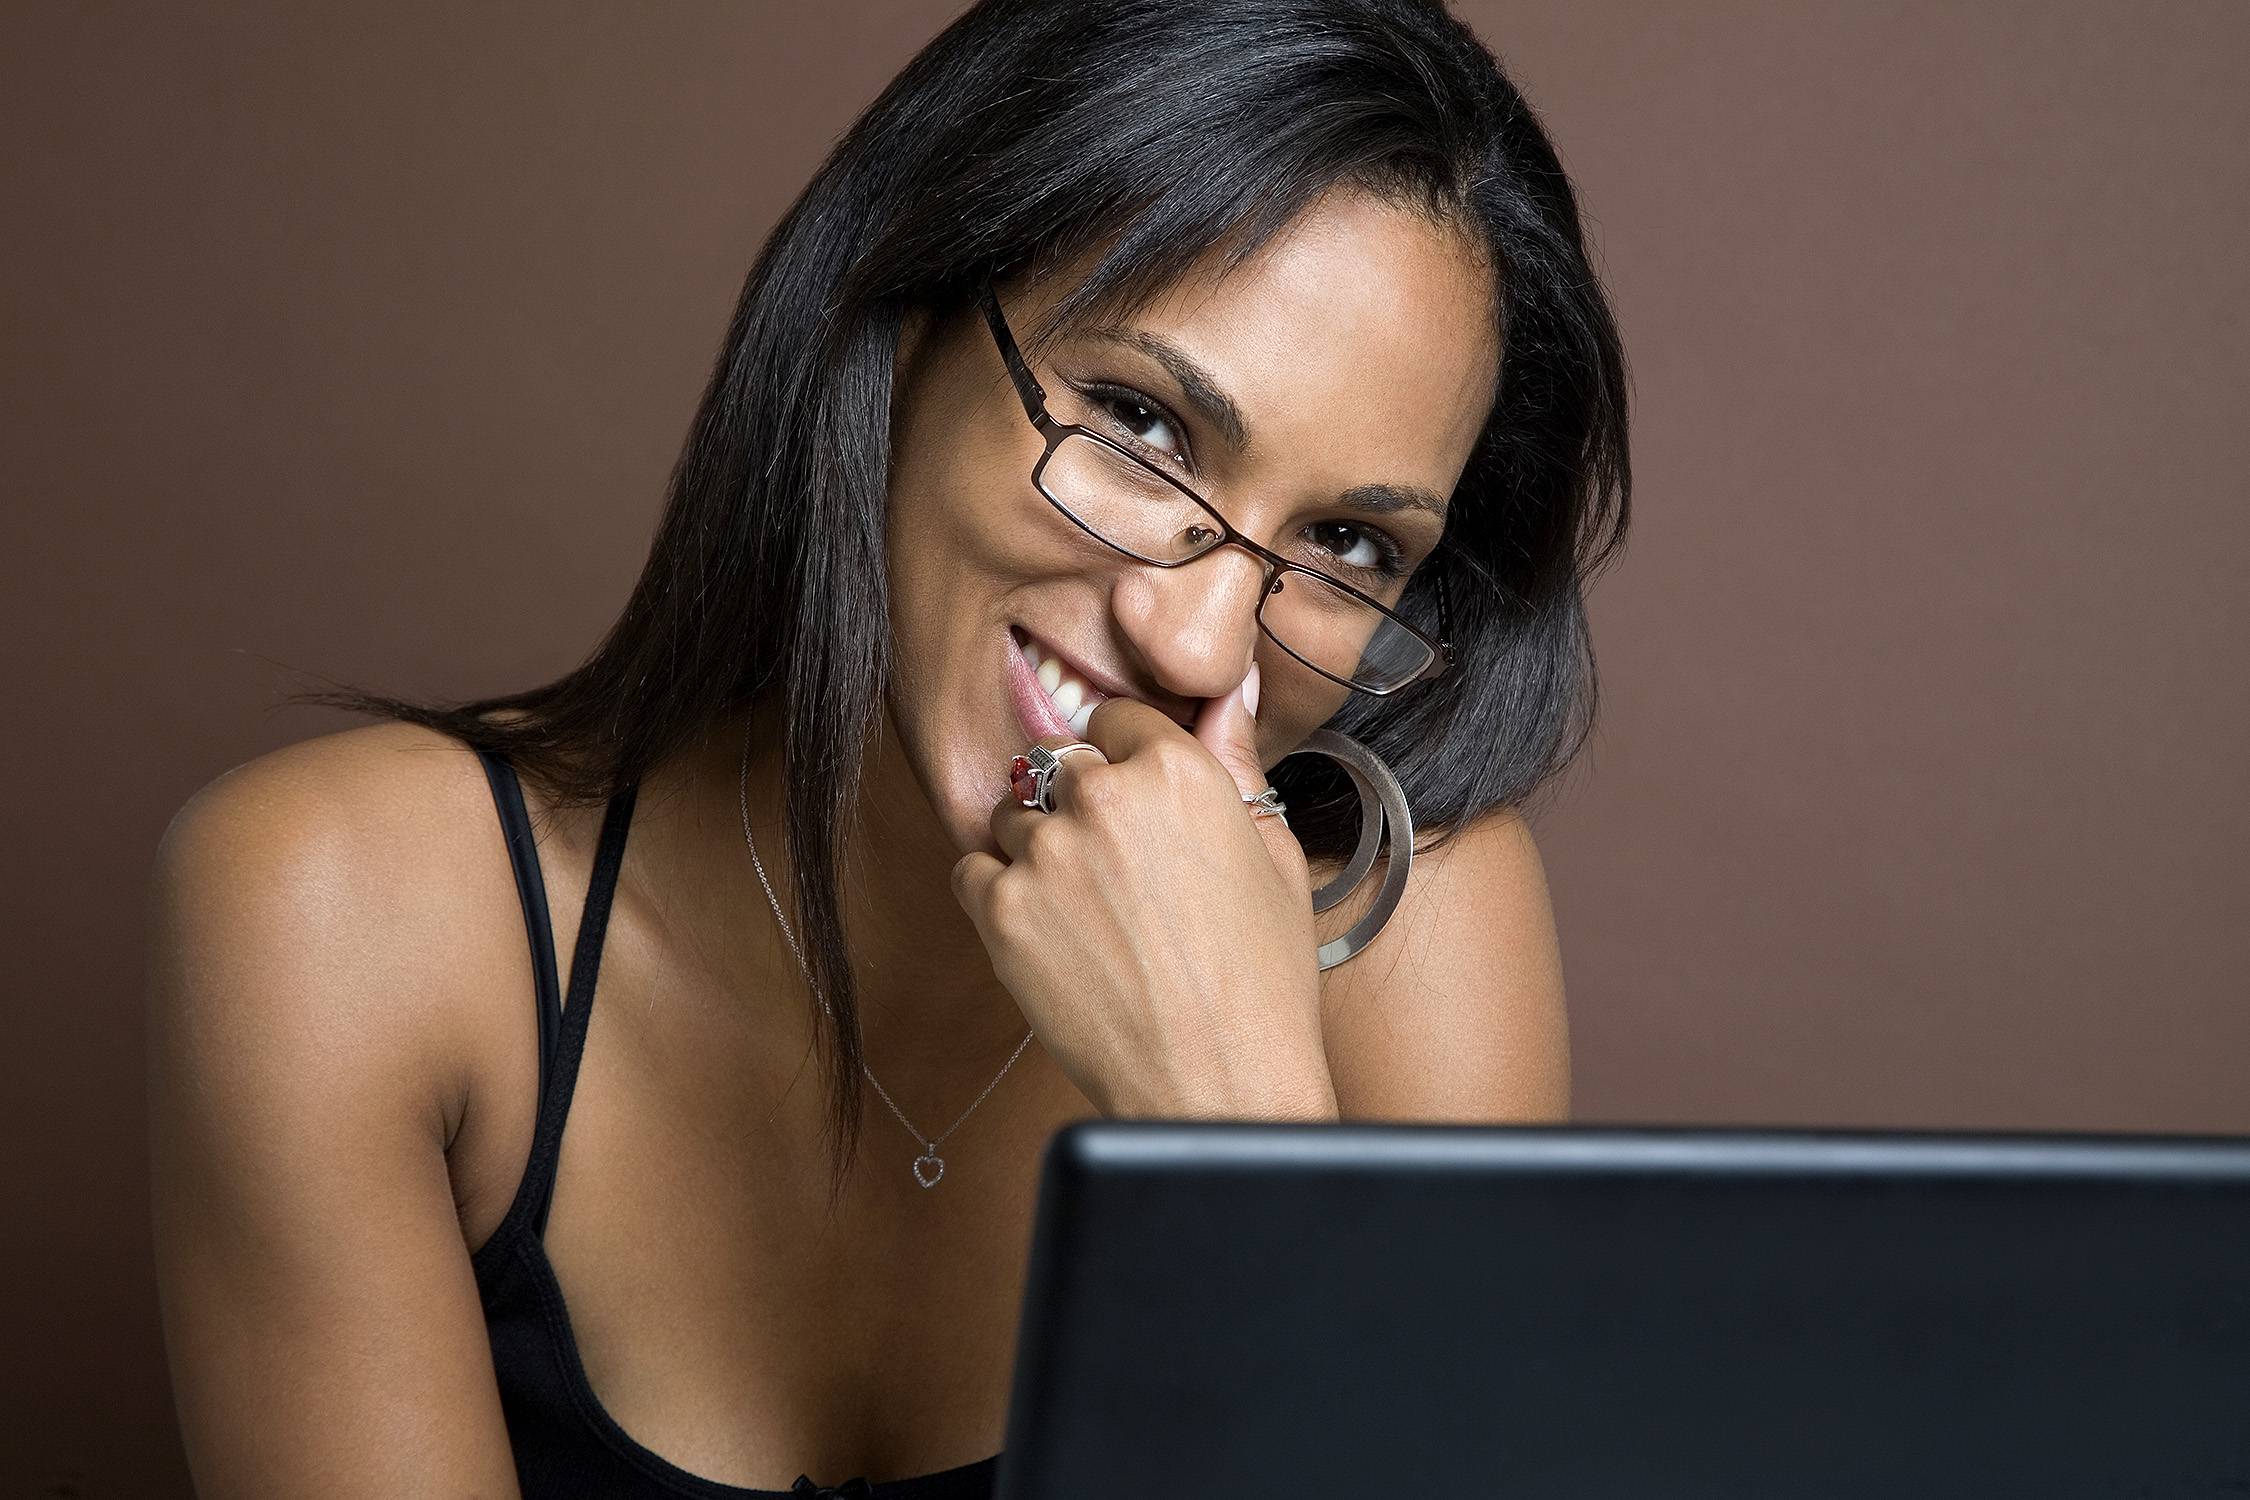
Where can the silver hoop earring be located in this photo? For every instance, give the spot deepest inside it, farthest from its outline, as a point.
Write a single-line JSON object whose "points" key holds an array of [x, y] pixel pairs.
{"points": [[1381, 804]]}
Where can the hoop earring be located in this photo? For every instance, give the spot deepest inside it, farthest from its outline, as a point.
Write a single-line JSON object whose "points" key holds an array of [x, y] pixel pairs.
{"points": [[1381, 802]]}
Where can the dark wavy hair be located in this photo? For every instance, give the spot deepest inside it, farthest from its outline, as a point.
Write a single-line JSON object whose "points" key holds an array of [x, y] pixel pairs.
{"points": [[1136, 135]]}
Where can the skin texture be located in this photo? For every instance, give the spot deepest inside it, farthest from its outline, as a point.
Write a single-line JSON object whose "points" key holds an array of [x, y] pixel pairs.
{"points": [[343, 1059]]}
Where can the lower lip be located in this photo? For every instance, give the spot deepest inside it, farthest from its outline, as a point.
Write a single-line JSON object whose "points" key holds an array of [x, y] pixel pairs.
{"points": [[1035, 711]]}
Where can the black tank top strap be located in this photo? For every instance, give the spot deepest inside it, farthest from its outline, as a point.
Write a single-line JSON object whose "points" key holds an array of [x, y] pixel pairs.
{"points": [[531, 889], [585, 963], [562, 1022]]}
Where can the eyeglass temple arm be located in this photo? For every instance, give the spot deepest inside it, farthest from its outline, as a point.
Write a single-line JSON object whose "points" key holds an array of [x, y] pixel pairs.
{"points": [[1028, 389], [1445, 620]]}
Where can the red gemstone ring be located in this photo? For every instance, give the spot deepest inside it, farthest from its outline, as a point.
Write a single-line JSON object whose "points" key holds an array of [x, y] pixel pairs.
{"points": [[1031, 775]]}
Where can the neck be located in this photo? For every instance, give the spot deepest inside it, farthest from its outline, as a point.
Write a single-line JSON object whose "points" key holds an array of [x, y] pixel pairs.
{"points": [[933, 1018]]}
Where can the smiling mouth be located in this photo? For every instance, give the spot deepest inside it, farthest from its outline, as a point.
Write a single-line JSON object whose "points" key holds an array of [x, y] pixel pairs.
{"points": [[1074, 699], [1048, 684]]}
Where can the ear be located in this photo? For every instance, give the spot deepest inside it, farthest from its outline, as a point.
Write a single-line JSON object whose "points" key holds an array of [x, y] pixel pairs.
{"points": [[913, 332]]}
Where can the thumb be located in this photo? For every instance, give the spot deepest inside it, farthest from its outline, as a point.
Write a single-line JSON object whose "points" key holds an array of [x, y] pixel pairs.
{"points": [[1228, 728]]}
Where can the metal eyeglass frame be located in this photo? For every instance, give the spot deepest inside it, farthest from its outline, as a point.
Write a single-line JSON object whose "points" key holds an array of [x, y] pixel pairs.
{"points": [[1034, 397]]}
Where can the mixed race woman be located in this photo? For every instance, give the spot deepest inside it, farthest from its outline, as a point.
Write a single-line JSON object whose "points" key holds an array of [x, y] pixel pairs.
{"points": [[1189, 380]]}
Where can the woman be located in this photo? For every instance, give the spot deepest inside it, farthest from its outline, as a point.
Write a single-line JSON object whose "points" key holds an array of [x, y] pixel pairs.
{"points": [[1309, 274]]}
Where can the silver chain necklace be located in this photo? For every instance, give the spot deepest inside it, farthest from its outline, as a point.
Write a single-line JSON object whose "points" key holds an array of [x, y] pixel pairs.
{"points": [[929, 1167]]}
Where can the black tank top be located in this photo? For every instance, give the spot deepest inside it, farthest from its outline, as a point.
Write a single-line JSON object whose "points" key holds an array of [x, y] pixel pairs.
{"points": [[566, 1446]]}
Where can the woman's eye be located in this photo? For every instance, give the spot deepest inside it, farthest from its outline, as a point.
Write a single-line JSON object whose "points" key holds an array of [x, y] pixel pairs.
{"points": [[1142, 420], [1361, 549]]}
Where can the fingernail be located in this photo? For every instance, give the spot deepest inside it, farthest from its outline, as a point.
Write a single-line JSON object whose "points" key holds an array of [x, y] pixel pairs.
{"points": [[1250, 691]]}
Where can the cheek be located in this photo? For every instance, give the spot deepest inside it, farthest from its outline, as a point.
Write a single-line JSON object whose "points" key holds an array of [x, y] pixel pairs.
{"points": [[944, 559], [1294, 700], [960, 486], [953, 526]]}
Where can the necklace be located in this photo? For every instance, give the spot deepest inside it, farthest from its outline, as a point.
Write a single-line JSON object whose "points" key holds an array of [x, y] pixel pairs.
{"points": [[929, 1167]]}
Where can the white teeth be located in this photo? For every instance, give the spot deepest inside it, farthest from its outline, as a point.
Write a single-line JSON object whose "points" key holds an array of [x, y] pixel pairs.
{"points": [[1073, 699]]}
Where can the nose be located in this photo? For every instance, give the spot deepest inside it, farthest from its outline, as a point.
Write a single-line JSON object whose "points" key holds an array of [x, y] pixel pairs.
{"points": [[1195, 626]]}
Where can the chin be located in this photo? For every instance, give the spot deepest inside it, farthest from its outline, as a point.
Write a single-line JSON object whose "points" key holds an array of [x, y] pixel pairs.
{"points": [[960, 768]]}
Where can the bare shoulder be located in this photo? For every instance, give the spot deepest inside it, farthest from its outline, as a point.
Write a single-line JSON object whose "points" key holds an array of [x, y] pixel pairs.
{"points": [[1456, 1010], [373, 781], [338, 886]]}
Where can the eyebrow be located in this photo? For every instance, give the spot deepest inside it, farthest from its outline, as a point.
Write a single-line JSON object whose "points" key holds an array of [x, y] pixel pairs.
{"points": [[1216, 407]]}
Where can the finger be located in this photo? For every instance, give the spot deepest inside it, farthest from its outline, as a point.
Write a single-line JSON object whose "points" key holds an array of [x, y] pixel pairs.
{"points": [[1119, 727], [1228, 728], [973, 874], [1281, 843], [1011, 824]]}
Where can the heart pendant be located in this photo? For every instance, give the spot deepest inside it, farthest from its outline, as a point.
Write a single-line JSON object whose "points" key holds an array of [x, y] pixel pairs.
{"points": [[937, 1164]]}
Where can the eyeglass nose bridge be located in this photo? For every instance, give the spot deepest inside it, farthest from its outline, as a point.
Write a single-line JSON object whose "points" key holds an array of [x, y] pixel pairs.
{"points": [[1270, 567]]}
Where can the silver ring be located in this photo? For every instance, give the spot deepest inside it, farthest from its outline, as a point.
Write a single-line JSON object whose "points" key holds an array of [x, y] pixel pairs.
{"points": [[1031, 775], [1267, 804]]}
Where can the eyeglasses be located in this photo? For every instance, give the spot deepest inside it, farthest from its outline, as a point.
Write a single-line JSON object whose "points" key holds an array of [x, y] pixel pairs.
{"points": [[1120, 499]]}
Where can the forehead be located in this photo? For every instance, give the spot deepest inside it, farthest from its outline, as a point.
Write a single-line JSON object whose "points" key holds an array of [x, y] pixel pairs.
{"points": [[1360, 343]]}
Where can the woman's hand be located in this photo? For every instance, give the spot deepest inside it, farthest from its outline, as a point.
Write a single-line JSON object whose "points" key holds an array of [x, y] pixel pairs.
{"points": [[1158, 937]]}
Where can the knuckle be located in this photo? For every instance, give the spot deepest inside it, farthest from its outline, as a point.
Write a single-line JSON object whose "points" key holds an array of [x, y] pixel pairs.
{"points": [[1098, 791], [1044, 839], [1008, 903], [1179, 762]]}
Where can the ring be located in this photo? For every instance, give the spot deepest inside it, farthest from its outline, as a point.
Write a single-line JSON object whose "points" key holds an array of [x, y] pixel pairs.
{"points": [[1267, 804], [1031, 775]]}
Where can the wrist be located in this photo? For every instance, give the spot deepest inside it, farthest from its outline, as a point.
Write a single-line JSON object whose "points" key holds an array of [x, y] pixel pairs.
{"points": [[1298, 1095]]}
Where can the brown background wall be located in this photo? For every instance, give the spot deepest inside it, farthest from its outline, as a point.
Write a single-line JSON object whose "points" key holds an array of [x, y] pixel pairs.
{"points": [[361, 337]]}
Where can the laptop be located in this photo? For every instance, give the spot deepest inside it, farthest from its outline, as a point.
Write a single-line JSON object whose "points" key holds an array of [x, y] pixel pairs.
{"points": [[1571, 1312]]}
